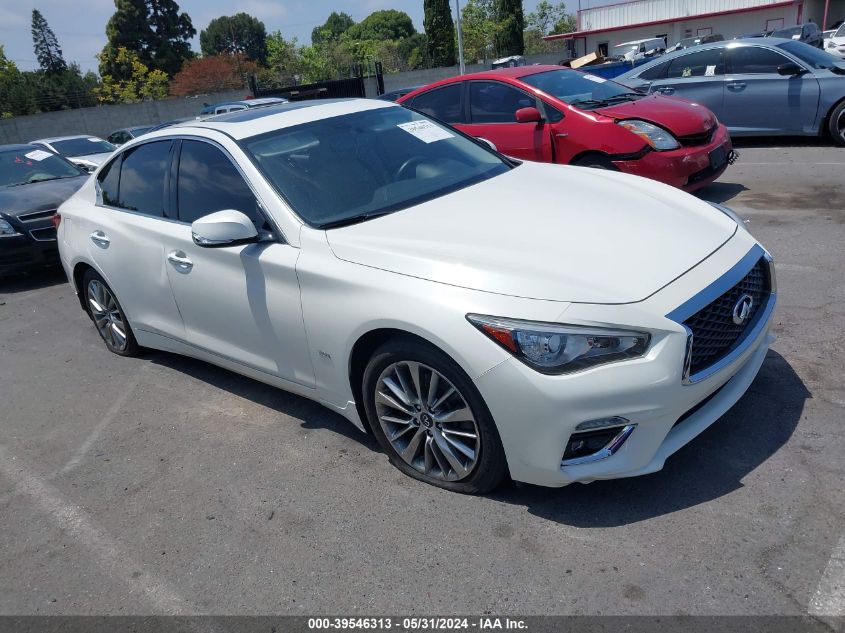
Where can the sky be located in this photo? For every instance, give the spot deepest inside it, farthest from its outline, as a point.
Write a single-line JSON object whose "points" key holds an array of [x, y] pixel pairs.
{"points": [[80, 24]]}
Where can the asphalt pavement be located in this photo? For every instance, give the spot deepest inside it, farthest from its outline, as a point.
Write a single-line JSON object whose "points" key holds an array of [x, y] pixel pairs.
{"points": [[165, 485]]}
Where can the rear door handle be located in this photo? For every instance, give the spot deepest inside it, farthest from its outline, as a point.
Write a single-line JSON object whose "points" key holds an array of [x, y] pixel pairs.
{"points": [[180, 261], [666, 90], [99, 238], [736, 85]]}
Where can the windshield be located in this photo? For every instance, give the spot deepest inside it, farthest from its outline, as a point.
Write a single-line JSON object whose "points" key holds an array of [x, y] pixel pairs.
{"points": [[811, 55], [349, 168], [82, 146], [580, 89], [840, 32], [30, 164], [787, 33]]}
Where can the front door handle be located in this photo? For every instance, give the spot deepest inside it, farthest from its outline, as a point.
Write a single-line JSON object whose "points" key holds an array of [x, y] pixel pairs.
{"points": [[736, 85], [665, 90], [180, 261], [100, 239]]}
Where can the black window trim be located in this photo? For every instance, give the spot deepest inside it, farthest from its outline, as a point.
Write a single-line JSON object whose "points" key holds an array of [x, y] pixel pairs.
{"points": [[171, 180], [536, 98], [729, 64]]}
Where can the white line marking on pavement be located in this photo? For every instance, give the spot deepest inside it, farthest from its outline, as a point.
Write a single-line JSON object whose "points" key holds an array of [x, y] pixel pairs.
{"points": [[741, 162], [829, 598], [107, 419], [112, 558]]}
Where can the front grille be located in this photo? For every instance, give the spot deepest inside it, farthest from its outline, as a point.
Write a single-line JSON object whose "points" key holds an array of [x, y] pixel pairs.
{"points": [[714, 333], [692, 140], [36, 215], [47, 234]]}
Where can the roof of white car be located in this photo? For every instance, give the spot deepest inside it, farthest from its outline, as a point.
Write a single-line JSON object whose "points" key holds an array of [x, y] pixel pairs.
{"points": [[53, 139], [254, 121]]}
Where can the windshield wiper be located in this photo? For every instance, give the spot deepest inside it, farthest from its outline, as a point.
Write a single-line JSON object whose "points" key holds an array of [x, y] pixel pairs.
{"points": [[355, 219], [595, 103], [626, 96]]}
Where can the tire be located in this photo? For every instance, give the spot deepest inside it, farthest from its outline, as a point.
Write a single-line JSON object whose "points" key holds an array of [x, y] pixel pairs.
{"points": [[836, 124], [105, 311], [445, 453], [595, 161]]}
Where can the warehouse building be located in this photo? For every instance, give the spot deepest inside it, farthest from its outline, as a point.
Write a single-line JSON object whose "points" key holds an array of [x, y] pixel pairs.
{"points": [[601, 28]]}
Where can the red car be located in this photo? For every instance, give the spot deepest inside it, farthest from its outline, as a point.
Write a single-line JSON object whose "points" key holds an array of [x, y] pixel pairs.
{"points": [[559, 115]]}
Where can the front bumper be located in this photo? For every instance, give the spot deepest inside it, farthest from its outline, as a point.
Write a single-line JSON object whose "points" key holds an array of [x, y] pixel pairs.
{"points": [[20, 253], [687, 168], [648, 392]]}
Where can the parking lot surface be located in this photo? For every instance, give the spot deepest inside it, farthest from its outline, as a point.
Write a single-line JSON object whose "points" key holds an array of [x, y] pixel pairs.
{"points": [[165, 485]]}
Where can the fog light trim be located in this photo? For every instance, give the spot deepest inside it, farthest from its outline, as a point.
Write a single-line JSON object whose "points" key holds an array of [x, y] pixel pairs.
{"points": [[602, 423], [609, 450]]}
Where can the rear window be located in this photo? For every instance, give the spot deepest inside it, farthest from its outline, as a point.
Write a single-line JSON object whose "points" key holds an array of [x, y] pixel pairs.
{"points": [[442, 103]]}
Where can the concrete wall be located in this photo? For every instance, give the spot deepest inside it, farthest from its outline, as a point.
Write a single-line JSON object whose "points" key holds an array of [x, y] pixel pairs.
{"points": [[422, 77], [103, 120]]}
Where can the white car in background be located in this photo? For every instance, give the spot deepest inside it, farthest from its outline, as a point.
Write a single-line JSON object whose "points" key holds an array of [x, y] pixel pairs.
{"points": [[835, 44], [640, 49], [480, 316], [88, 152]]}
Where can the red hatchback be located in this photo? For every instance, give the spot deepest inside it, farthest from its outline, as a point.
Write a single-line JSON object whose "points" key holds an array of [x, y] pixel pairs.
{"points": [[559, 115]]}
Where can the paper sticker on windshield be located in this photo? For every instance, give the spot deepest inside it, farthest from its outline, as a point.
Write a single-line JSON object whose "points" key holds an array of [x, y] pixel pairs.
{"points": [[426, 131], [596, 78], [710, 71], [38, 154]]}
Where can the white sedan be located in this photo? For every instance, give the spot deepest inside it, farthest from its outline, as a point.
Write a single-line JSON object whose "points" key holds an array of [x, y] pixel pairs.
{"points": [[482, 317], [88, 152]]}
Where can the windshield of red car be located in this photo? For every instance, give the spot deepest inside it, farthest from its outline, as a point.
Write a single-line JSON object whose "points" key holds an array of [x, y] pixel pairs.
{"points": [[582, 90]]}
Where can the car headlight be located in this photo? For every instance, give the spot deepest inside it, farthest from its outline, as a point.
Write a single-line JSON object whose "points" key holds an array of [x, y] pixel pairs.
{"points": [[6, 229], [654, 135], [556, 348], [731, 214]]}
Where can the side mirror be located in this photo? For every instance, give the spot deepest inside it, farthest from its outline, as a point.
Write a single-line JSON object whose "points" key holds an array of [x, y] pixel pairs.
{"points": [[223, 228], [487, 142], [790, 69], [528, 115]]}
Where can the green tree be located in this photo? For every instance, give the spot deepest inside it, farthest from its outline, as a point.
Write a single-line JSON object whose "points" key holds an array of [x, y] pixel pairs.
{"points": [[382, 25], [413, 51], [546, 19], [511, 24], [479, 27], [239, 33], [152, 29], [47, 48], [336, 25], [283, 60], [440, 32], [141, 83]]}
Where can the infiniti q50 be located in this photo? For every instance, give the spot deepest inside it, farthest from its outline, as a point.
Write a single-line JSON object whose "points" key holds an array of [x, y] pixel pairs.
{"points": [[482, 317]]}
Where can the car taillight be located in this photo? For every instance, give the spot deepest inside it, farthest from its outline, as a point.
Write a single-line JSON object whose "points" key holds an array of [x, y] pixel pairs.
{"points": [[56, 220]]}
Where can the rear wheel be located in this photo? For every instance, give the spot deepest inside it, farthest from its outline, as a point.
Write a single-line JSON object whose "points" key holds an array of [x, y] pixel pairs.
{"points": [[836, 124], [430, 419], [109, 318]]}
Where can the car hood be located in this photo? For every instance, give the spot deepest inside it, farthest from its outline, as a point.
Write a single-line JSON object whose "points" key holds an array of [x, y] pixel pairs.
{"points": [[679, 116], [38, 196], [545, 232], [96, 159]]}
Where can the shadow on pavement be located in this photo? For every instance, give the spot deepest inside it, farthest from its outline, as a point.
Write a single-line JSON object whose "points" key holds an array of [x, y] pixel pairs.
{"points": [[711, 466], [311, 414], [35, 280], [720, 191]]}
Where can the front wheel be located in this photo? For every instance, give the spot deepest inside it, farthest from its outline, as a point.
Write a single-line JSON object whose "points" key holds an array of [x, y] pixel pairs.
{"points": [[836, 124], [430, 419]]}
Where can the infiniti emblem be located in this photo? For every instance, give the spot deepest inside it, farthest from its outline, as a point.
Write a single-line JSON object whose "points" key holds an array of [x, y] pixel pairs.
{"points": [[742, 308]]}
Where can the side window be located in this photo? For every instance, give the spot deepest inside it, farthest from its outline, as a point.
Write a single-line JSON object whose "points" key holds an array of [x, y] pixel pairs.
{"points": [[142, 178], [707, 63], [656, 72], [495, 102], [109, 180], [442, 103], [209, 182], [754, 60]]}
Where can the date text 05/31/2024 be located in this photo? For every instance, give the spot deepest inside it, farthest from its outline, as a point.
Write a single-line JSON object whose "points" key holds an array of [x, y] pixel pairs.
{"points": [[486, 623]]}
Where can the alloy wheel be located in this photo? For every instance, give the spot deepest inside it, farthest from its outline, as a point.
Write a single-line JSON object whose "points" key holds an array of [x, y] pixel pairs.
{"points": [[840, 125], [107, 315], [427, 421]]}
